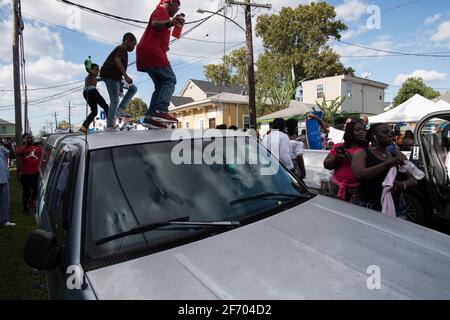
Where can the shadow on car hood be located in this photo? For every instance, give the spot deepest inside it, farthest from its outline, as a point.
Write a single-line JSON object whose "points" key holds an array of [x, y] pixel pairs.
{"points": [[322, 249]]}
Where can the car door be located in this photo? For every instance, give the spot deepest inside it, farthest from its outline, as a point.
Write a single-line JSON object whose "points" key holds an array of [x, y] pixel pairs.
{"points": [[59, 204], [432, 136]]}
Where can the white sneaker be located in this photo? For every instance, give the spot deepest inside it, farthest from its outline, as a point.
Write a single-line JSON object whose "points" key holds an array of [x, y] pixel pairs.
{"points": [[9, 224]]}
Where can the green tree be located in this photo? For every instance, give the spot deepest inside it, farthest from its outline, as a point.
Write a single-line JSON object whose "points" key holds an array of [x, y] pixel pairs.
{"points": [[330, 109], [232, 70], [63, 125], [414, 86], [136, 108], [282, 95], [295, 48], [297, 37]]}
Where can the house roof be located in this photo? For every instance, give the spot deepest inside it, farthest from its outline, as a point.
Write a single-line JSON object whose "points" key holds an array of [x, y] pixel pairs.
{"points": [[218, 98], [296, 108], [179, 101], [5, 122], [355, 80], [211, 88]]}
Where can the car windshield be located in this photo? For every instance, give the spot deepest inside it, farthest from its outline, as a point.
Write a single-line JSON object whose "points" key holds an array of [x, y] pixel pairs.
{"points": [[131, 186]]}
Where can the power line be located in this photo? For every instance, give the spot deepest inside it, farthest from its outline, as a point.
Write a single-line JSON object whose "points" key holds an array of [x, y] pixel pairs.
{"points": [[46, 88], [72, 30], [384, 55], [48, 98], [6, 17], [400, 6], [210, 41], [394, 52], [113, 16], [6, 53]]}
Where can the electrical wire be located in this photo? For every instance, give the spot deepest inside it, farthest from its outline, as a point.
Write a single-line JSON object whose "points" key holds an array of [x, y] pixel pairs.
{"points": [[116, 17], [6, 17], [394, 52], [72, 30], [47, 98], [46, 88]]}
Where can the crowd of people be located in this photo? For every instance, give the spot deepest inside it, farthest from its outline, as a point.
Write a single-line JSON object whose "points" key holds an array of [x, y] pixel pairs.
{"points": [[367, 163], [369, 168]]}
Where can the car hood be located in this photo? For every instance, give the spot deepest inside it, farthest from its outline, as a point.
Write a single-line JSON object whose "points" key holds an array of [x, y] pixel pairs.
{"points": [[322, 249]]}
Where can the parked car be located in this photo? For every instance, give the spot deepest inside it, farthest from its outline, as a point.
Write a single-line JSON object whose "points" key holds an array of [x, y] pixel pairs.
{"points": [[122, 218], [430, 154]]}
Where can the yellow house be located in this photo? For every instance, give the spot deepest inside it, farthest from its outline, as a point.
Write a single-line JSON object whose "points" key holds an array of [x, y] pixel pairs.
{"points": [[204, 105]]}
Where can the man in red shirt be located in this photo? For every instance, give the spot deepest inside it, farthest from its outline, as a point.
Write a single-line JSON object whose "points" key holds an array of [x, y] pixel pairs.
{"points": [[151, 57], [31, 158]]}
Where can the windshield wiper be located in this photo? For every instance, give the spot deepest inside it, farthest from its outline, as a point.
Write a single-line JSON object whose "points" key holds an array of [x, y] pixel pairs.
{"points": [[265, 195], [177, 222]]}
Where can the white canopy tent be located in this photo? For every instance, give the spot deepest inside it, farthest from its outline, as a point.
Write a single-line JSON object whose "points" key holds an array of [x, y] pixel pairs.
{"points": [[410, 111]]}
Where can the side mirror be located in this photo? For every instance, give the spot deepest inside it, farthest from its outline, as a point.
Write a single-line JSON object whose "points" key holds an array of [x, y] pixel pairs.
{"points": [[41, 251]]}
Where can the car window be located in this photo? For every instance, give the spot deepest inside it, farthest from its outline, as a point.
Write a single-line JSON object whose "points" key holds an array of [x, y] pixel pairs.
{"points": [[58, 191], [46, 153], [134, 185]]}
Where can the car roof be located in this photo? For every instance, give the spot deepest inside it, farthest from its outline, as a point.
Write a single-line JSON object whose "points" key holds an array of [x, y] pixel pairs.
{"points": [[120, 138]]}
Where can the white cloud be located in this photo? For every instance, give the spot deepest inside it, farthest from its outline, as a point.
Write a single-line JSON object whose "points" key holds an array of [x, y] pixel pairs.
{"points": [[353, 33], [427, 76], [351, 10], [443, 32], [38, 40], [433, 19]]}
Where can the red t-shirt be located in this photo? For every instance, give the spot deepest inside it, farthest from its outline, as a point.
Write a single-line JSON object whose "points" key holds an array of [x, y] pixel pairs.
{"points": [[151, 51], [31, 159], [344, 172]]}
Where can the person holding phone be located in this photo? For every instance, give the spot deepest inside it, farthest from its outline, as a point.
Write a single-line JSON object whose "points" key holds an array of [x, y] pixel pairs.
{"points": [[343, 183]]}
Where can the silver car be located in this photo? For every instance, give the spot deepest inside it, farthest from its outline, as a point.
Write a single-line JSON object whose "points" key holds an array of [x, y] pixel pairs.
{"points": [[121, 218]]}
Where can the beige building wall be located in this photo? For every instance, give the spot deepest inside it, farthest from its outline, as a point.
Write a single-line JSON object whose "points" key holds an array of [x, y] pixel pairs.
{"points": [[226, 113], [331, 86], [359, 97], [194, 92]]}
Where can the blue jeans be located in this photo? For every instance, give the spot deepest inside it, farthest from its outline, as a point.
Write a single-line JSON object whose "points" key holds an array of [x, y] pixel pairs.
{"points": [[113, 87], [4, 203], [165, 80]]}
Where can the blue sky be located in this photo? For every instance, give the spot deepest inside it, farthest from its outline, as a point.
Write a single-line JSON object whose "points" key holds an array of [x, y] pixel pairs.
{"points": [[55, 55]]}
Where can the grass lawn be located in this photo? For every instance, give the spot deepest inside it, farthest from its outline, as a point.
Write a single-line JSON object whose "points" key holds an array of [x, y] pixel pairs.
{"points": [[17, 280]]}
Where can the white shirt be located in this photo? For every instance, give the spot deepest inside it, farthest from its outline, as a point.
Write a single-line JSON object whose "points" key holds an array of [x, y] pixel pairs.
{"points": [[297, 148], [280, 141]]}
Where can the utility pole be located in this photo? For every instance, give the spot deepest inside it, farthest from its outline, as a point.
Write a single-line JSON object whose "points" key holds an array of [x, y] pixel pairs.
{"points": [[56, 121], [70, 121], [250, 60], [17, 29]]}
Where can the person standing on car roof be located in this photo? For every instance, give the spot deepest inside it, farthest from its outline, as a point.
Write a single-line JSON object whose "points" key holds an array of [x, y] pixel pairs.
{"points": [[151, 58]]}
